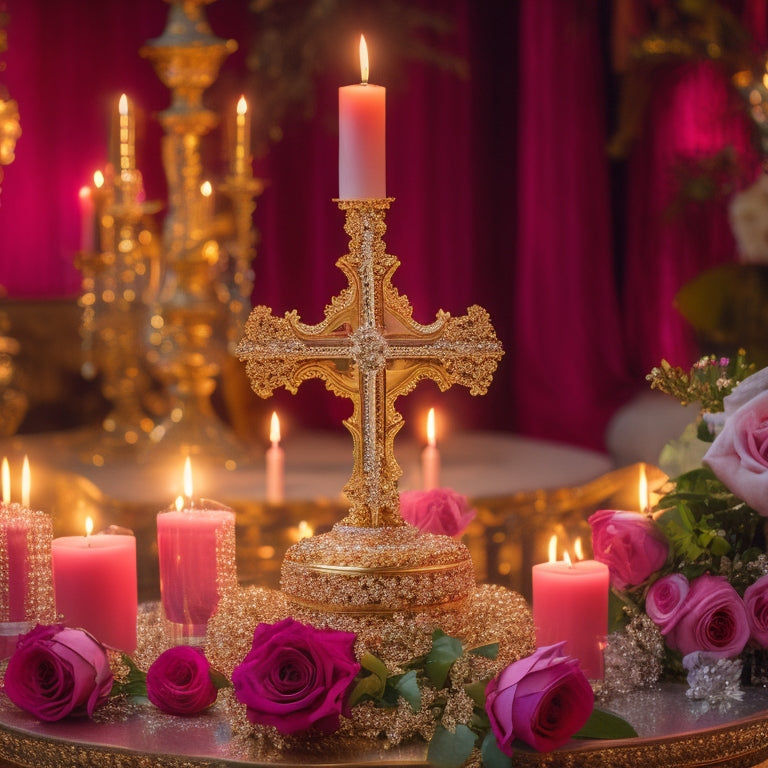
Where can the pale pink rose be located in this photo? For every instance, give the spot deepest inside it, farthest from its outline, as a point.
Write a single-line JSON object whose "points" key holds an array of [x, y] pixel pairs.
{"points": [[441, 510], [739, 454], [542, 700], [664, 599], [756, 605], [712, 619], [629, 543]]}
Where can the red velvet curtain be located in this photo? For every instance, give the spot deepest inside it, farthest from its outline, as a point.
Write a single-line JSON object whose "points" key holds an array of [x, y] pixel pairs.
{"points": [[501, 185]]}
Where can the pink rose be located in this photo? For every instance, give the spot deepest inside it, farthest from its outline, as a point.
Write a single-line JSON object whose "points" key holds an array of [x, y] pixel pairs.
{"points": [[756, 606], [441, 511], [739, 454], [542, 700], [712, 619], [629, 543], [296, 677], [56, 671], [664, 598], [179, 681]]}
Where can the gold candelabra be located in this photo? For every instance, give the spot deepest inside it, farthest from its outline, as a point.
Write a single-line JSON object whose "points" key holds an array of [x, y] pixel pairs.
{"points": [[198, 278]]}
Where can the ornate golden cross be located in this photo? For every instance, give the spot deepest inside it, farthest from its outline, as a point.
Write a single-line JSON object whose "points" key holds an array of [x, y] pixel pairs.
{"points": [[369, 349]]}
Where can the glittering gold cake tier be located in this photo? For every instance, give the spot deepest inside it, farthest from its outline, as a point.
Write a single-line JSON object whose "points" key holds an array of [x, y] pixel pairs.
{"points": [[377, 570]]}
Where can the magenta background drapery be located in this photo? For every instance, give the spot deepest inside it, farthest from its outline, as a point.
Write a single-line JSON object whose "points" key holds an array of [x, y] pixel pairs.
{"points": [[502, 187]]}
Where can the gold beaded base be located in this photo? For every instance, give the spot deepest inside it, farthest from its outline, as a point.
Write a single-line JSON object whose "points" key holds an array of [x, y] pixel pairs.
{"points": [[377, 571]]}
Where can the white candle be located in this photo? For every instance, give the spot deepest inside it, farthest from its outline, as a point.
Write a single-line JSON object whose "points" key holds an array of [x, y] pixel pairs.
{"points": [[127, 135], [362, 137], [275, 464], [430, 456], [242, 137]]}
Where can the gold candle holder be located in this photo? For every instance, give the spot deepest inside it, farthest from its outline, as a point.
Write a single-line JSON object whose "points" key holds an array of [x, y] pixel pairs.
{"points": [[370, 349]]}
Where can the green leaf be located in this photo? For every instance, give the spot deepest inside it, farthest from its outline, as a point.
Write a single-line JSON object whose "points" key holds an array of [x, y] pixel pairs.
{"points": [[492, 756], [407, 686], [451, 750], [476, 691], [370, 686], [135, 684], [445, 651], [219, 679], [605, 725], [490, 651]]}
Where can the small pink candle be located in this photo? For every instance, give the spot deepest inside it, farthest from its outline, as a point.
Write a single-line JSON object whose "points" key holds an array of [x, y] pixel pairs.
{"points": [[13, 543], [362, 137], [87, 219], [570, 602], [193, 540], [275, 461], [94, 582], [430, 456]]}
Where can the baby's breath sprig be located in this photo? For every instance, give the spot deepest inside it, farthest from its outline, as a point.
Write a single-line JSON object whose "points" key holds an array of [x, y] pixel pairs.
{"points": [[708, 382]]}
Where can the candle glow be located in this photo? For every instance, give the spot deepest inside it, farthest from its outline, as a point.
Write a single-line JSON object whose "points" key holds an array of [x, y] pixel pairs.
{"points": [[274, 429], [642, 491], [188, 489], [364, 68], [242, 136], [127, 135], [88, 526], [430, 456]]}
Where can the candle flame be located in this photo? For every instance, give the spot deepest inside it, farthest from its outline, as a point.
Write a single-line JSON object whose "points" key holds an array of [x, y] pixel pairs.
{"points": [[363, 61], [179, 503], [206, 188], [567, 559], [98, 179], [242, 106], [578, 550], [553, 549], [274, 429], [188, 478], [305, 530], [25, 482], [642, 491], [122, 105], [84, 192], [6, 480], [88, 526], [431, 433]]}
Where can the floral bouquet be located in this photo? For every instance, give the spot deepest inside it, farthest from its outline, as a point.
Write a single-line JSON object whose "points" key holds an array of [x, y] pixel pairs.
{"points": [[689, 578]]}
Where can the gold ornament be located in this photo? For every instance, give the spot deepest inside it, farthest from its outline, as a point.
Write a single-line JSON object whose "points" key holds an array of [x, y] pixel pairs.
{"points": [[370, 350]]}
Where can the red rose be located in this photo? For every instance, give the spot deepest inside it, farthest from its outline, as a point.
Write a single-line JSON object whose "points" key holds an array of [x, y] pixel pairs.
{"points": [[296, 677], [542, 700], [440, 510], [629, 543], [179, 681], [56, 671], [712, 619]]}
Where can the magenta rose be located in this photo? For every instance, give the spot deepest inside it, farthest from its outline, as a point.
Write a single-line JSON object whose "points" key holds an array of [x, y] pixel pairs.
{"points": [[441, 510], [56, 671], [711, 619], [664, 599], [542, 700], [739, 454], [629, 543], [297, 677], [756, 606], [179, 681]]}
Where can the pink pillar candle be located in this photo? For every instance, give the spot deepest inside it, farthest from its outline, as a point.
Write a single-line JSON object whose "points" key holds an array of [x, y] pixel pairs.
{"points": [[430, 467], [570, 602], [13, 543], [275, 461], [94, 582], [196, 550]]}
